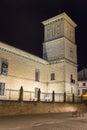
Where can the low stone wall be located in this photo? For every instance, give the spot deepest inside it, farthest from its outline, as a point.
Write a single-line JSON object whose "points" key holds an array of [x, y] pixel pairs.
{"points": [[20, 108]]}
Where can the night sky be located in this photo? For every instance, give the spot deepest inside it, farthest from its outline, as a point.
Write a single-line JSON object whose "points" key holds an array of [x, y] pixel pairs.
{"points": [[20, 23]]}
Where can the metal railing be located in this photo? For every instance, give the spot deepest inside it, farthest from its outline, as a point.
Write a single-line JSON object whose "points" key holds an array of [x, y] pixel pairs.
{"points": [[29, 96], [46, 96], [69, 97], [59, 97], [11, 94]]}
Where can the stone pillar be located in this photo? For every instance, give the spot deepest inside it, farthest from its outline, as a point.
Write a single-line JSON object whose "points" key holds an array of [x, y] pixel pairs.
{"points": [[73, 98], [64, 97], [53, 97], [39, 92], [21, 94]]}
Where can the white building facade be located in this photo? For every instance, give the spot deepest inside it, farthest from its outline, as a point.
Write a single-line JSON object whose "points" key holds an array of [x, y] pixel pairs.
{"points": [[57, 71], [82, 81]]}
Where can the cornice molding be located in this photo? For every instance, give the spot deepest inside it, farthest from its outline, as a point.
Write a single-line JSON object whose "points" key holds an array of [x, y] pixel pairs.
{"points": [[20, 53]]}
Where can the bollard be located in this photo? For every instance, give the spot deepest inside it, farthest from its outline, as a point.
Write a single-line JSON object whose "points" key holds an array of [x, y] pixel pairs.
{"points": [[39, 92], [53, 97], [21, 94]]}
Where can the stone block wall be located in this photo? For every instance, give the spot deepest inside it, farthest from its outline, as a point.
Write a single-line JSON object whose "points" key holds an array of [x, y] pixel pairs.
{"points": [[23, 108]]}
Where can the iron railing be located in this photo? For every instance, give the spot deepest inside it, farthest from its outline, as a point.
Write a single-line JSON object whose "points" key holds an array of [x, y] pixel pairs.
{"points": [[11, 94]]}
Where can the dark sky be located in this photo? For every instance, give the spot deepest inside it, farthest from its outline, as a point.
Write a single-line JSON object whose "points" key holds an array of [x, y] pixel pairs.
{"points": [[20, 23]]}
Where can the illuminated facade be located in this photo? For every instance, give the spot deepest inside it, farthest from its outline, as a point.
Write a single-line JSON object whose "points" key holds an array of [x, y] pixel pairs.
{"points": [[57, 71], [82, 81]]}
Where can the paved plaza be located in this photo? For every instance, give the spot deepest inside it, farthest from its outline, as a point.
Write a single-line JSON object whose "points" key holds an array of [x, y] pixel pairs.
{"points": [[51, 121]]}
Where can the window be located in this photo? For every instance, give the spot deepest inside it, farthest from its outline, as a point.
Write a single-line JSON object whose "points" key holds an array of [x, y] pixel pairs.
{"points": [[52, 76], [71, 53], [37, 75], [2, 88], [4, 67], [84, 84], [71, 78]]}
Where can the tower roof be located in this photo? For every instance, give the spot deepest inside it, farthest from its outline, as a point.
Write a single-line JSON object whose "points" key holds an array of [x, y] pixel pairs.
{"points": [[62, 15]]}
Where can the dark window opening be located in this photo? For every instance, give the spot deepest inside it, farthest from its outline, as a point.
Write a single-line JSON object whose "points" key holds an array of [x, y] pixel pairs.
{"points": [[2, 88], [71, 79], [4, 67], [84, 84], [37, 74], [52, 76]]}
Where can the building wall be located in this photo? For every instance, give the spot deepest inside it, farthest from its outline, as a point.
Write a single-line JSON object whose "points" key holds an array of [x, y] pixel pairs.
{"points": [[69, 31], [56, 85], [53, 29], [82, 85], [53, 50], [22, 108], [82, 81], [60, 52], [71, 69], [59, 47], [21, 71], [71, 51]]}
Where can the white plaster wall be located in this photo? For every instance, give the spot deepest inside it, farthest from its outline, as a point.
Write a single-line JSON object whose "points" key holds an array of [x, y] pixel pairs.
{"points": [[21, 72], [81, 87], [71, 69]]}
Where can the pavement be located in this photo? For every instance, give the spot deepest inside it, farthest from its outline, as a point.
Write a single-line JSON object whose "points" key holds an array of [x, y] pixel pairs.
{"points": [[50, 121]]}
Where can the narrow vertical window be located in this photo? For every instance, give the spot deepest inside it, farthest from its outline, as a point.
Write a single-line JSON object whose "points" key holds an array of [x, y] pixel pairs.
{"points": [[71, 53], [37, 75], [71, 78], [52, 76], [4, 67], [2, 88]]}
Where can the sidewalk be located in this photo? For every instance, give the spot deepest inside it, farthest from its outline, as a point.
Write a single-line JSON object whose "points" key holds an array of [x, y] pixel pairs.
{"points": [[62, 121], [51, 121]]}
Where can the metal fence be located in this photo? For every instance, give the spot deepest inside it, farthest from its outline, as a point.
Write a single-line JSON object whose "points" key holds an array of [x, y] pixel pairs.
{"points": [[46, 96], [78, 98], [69, 97], [59, 97], [11, 94], [29, 96]]}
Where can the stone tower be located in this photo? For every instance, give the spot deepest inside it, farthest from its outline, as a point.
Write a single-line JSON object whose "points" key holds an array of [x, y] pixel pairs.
{"points": [[60, 50]]}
